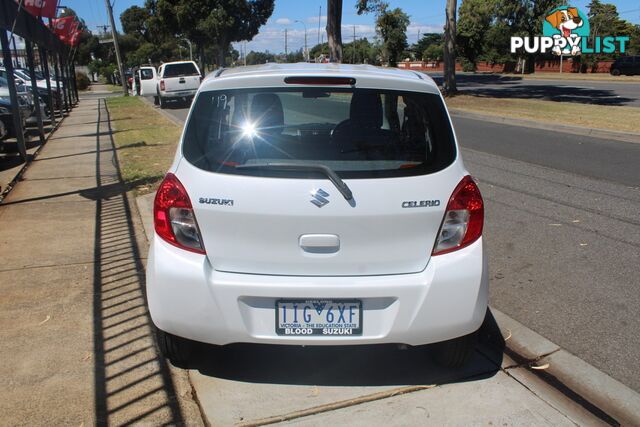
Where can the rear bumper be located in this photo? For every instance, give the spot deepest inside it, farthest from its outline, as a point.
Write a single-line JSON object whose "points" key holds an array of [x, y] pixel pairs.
{"points": [[189, 299], [179, 94]]}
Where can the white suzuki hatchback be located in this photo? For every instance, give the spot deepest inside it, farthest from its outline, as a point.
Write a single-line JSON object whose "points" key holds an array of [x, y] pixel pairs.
{"points": [[318, 205]]}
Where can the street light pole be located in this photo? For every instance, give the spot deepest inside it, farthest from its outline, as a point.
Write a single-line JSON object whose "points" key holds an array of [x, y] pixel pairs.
{"points": [[114, 34], [306, 51], [190, 49]]}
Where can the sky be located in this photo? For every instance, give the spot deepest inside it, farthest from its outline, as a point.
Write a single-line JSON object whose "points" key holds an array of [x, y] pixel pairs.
{"points": [[294, 15]]}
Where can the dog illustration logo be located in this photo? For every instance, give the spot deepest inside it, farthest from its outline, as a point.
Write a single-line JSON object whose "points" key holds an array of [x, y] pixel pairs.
{"points": [[569, 23]]}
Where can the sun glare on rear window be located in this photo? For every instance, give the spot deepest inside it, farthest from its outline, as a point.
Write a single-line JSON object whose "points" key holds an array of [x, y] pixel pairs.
{"points": [[358, 133]]}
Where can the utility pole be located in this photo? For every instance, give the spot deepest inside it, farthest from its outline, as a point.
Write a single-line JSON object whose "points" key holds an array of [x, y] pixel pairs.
{"points": [[306, 51], [244, 48], [117, 47], [353, 46], [285, 43], [319, 19]]}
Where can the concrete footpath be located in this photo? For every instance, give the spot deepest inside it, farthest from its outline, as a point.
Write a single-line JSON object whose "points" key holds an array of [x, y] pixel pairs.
{"points": [[75, 337]]}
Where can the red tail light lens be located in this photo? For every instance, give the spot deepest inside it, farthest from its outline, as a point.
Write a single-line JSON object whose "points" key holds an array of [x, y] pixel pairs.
{"points": [[173, 216], [162, 85], [463, 219]]}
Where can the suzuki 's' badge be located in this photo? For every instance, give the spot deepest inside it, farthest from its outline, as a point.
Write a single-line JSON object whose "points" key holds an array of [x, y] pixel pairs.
{"points": [[318, 197]]}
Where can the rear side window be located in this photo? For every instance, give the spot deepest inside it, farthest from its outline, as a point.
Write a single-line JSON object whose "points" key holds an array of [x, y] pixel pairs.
{"points": [[180, 70], [359, 133], [146, 74]]}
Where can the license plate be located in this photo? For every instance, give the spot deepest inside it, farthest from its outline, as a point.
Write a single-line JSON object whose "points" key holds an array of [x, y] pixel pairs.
{"points": [[319, 317]]}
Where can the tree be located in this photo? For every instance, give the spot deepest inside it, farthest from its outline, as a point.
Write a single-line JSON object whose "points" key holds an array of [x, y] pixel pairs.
{"points": [[474, 21], [214, 22], [431, 41], [392, 27], [433, 53], [134, 21], [254, 58], [334, 30], [449, 52]]}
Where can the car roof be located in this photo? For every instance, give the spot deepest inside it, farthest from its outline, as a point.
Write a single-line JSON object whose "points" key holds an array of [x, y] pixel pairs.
{"points": [[368, 72]]}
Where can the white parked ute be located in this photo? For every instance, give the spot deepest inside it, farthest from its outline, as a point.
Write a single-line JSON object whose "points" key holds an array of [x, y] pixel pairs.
{"points": [[318, 204], [177, 81]]}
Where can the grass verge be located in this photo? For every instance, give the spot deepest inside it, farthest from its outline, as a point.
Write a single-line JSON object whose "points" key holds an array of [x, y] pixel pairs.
{"points": [[146, 142], [622, 119]]}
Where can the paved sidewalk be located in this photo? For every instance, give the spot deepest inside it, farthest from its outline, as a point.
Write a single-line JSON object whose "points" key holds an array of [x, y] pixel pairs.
{"points": [[75, 337]]}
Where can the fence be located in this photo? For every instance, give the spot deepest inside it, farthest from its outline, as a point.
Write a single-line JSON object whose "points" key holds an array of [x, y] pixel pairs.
{"points": [[543, 65], [54, 60]]}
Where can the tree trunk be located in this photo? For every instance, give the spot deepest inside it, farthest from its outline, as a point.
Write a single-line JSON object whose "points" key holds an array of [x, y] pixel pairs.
{"points": [[334, 30], [450, 49]]}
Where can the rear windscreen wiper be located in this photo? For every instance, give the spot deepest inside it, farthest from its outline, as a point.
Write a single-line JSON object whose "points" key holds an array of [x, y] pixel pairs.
{"points": [[313, 167]]}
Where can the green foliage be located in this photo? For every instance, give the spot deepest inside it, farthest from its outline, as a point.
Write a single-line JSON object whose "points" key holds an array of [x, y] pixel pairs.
{"points": [[361, 52], [82, 81], [431, 41], [392, 27], [254, 58], [605, 21], [433, 52], [474, 20], [214, 22], [135, 22]]}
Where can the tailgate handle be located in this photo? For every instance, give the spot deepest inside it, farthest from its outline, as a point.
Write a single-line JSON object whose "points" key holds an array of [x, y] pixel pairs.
{"points": [[182, 80], [320, 243]]}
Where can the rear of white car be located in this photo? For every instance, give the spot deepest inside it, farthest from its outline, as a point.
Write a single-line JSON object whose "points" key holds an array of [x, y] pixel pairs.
{"points": [[318, 205], [177, 81]]}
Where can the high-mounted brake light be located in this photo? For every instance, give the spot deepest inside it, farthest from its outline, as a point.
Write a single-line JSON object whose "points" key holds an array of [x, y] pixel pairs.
{"points": [[173, 216], [162, 85], [320, 80], [463, 219]]}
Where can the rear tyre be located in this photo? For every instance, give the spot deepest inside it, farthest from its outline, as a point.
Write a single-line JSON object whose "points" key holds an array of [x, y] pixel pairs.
{"points": [[178, 350], [615, 72], [455, 353]]}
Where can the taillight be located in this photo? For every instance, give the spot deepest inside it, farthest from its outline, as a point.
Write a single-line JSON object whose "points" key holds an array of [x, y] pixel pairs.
{"points": [[463, 219], [161, 84], [173, 216]]}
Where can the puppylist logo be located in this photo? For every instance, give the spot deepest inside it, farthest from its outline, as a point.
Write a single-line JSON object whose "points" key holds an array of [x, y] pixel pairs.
{"points": [[565, 31]]}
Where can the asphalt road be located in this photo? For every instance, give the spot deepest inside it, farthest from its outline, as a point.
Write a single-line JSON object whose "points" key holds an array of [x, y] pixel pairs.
{"points": [[563, 233], [580, 91]]}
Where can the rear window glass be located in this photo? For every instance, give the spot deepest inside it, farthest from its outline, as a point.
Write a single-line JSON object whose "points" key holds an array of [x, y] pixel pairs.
{"points": [[179, 70], [359, 133]]}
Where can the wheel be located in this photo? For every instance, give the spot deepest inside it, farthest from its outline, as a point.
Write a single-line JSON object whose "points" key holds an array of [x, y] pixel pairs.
{"points": [[615, 72], [156, 100], [176, 349], [455, 353]]}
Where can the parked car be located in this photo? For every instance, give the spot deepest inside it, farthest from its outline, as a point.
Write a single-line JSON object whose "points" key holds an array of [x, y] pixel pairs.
{"points": [[41, 84], [318, 204], [627, 65], [177, 81], [6, 115]]}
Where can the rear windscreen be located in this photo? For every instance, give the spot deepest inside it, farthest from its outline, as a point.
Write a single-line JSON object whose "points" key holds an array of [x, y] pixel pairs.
{"points": [[359, 133], [179, 70]]}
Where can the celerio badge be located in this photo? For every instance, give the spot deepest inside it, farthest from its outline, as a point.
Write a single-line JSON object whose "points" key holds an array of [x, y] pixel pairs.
{"points": [[421, 203]]}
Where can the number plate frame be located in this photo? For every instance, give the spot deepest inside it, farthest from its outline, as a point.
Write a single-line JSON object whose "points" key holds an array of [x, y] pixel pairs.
{"points": [[318, 331]]}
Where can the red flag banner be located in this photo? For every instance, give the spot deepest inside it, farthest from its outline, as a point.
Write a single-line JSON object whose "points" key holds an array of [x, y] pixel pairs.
{"points": [[43, 8], [74, 38], [62, 27]]}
